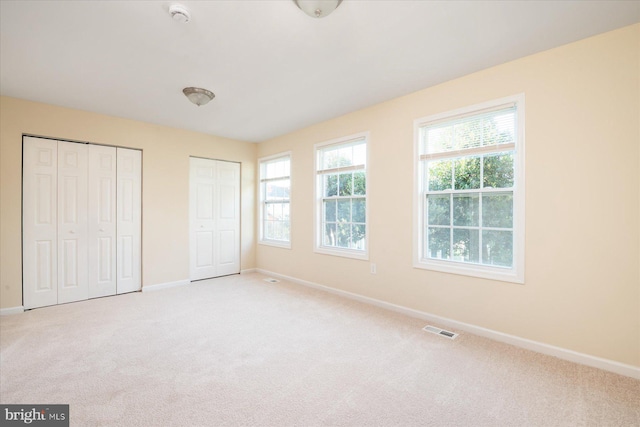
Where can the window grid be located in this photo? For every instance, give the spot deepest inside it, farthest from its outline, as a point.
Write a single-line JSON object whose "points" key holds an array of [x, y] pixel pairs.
{"points": [[453, 253], [275, 187], [342, 197], [470, 212]]}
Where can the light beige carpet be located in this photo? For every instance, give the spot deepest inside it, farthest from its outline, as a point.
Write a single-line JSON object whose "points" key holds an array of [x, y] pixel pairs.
{"points": [[238, 351]]}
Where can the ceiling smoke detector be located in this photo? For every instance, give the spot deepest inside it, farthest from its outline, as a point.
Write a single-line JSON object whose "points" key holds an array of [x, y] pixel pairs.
{"points": [[179, 13]]}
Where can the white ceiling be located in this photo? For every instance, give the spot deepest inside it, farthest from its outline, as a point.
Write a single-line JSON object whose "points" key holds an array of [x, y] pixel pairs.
{"points": [[273, 68]]}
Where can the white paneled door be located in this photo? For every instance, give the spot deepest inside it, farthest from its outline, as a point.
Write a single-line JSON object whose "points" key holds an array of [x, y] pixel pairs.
{"points": [[73, 282], [40, 223], [129, 219], [81, 221], [102, 221], [214, 218]]}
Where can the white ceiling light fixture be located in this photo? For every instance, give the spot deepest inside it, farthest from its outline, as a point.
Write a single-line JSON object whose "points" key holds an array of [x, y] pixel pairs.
{"points": [[179, 13], [317, 8], [198, 95]]}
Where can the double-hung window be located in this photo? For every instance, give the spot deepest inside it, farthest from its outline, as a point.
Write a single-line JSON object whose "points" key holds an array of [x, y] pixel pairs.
{"points": [[341, 197], [275, 211], [470, 198]]}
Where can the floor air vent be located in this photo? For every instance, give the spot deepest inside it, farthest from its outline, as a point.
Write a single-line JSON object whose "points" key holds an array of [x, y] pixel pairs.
{"points": [[271, 280], [438, 331]]}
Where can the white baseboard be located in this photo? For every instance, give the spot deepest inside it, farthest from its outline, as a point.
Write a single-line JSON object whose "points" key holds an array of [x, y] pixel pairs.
{"points": [[550, 350], [11, 310], [248, 271], [160, 286]]}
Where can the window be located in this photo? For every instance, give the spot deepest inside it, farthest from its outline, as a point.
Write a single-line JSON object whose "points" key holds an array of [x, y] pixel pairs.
{"points": [[341, 195], [470, 181], [275, 189]]}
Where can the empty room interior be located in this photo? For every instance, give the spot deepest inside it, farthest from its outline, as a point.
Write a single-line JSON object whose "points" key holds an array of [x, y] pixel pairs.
{"points": [[320, 213]]}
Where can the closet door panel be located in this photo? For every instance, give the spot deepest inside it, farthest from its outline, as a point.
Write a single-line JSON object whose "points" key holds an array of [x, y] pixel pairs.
{"points": [[202, 220], [39, 221], [228, 218], [72, 222], [129, 220], [102, 221]]}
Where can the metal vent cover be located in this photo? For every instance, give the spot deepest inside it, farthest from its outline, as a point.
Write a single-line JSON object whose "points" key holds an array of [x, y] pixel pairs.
{"points": [[441, 332]]}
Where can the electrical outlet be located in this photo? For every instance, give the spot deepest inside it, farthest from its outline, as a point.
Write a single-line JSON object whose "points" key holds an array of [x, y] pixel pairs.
{"points": [[373, 268]]}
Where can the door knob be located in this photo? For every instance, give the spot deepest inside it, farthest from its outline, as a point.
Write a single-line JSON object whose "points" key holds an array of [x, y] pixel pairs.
{"points": [[102, 230], [202, 226], [72, 232]]}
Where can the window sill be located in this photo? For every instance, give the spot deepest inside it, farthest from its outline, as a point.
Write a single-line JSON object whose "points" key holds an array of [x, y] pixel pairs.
{"points": [[480, 271], [345, 253], [275, 243]]}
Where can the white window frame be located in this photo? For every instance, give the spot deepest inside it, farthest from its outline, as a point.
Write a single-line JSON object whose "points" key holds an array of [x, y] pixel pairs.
{"points": [[261, 161], [318, 197], [514, 274]]}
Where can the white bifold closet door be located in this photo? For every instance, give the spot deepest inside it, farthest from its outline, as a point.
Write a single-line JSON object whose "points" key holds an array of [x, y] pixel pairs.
{"points": [[81, 221], [40, 222], [73, 229], [102, 221], [129, 220], [214, 218]]}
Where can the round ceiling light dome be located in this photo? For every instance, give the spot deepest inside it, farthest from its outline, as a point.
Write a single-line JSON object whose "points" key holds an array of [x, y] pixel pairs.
{"points": [[317, 8], [180, 13], [198, 95]]}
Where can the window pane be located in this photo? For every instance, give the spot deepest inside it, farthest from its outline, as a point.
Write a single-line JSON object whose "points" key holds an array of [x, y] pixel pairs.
{"points": [[286, 234], [499, 128], [358, 210], [345, 184], [329, 238], [358, 232], [438, 210], [466, 245], [343, 194], [276, 168], [438, 139], [283, 189], [329, 210], [277, 211], [359, 184], [439, 175], [329, 159], [270, 170], [467, 134], [268, 230], [345, 156], [497, 248], [497, 210], [330, 185], [467, 173], [498, 171], [466, 208], [439, 243], [491, 128], [336, 157], [344, 210], [277, 230], [278, 189], [344, 235], [269, 211], [360, 154]]}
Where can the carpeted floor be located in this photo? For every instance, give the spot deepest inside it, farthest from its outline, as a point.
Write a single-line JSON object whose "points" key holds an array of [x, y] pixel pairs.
{"points": [[238, 351]]}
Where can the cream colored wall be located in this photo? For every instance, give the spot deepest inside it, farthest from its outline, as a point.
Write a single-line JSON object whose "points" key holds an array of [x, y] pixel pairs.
{"points": [[582, 283], [165, 192]]}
